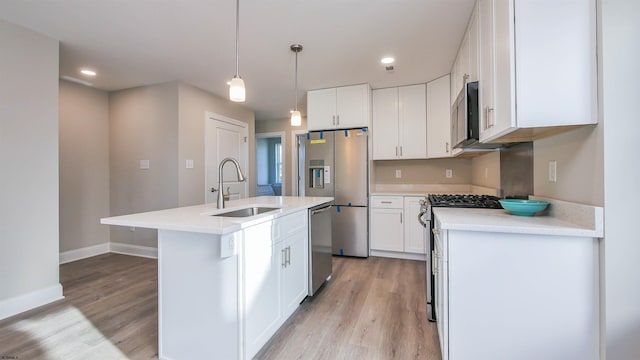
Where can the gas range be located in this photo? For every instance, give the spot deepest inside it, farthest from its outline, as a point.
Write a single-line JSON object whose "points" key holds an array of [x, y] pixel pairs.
{"points": [[465, 201], [426, 218]]}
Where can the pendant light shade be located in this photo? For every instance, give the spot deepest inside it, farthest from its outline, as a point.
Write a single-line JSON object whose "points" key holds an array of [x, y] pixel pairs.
{"points": [[236, 89], [296, 119], [236, 86]]}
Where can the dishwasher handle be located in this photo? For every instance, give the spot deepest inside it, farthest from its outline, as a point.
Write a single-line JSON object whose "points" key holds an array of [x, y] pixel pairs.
{"points": [[321, 210]]}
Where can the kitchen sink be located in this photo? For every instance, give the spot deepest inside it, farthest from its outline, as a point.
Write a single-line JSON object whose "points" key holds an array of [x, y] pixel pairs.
{"points": [[246, 212]]}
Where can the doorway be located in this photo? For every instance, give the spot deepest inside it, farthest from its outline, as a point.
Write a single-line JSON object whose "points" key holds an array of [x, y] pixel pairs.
{"points": [[225, 137], [270, 164]]}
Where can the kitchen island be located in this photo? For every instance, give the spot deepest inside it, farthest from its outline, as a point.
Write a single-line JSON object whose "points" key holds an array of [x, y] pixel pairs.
{"points": [[226, 284], [512, 287]]}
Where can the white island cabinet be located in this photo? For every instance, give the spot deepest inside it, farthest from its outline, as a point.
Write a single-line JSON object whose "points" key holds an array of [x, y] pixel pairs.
{"points": [[225, 285], [510, 287]]}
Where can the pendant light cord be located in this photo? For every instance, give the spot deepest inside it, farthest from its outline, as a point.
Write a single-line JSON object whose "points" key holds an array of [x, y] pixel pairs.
{"points": [[237, 34], [296, 81]]}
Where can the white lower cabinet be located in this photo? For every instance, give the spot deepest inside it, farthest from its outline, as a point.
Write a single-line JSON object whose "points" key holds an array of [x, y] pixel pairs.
{"points": [[413, 230], [275, 267], [394, 226], [507, 296], [261, 265], [387, 231]]}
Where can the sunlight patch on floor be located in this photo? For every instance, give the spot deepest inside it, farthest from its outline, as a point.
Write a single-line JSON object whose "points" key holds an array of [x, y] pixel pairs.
{"points": [[57, 336]]}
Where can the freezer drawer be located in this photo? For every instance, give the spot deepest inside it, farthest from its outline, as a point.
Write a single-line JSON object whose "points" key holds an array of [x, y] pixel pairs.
{"points": [[350, 231], [320, 261]]}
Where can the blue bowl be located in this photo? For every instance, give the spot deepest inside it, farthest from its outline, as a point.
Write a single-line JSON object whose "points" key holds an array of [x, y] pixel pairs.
{"points": [[523, 207]]}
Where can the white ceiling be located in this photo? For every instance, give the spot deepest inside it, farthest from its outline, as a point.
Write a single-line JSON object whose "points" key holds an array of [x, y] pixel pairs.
{"points": [[139, 42]]}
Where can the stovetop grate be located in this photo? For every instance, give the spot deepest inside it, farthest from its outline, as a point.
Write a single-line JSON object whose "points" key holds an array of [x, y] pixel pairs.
{"points": [[465, 201]]}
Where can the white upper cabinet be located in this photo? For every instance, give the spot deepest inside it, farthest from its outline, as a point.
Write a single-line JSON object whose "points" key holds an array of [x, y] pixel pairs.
{"points": [[438, 118], [339, 108], [465, 67], [538, 68], [400, 123]]}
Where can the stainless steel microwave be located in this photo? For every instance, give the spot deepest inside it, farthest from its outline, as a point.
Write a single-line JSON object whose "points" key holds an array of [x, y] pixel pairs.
{"points": [[465, 117]]}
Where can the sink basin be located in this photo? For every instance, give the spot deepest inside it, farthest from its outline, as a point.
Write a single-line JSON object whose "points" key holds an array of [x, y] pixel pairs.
{"points": [[246, 212]]}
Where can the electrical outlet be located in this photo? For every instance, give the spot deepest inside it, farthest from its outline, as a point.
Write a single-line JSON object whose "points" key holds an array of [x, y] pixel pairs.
{"points": [[144, 164], [398, 174], [553, 169], [448, 173], [189, 164]]}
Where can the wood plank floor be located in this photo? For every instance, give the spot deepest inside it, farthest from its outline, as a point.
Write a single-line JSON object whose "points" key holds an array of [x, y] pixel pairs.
{"points": [[371, 309]]}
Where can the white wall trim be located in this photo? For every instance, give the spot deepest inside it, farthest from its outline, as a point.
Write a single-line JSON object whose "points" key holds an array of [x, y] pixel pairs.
{"points": [[83, 253], [134, 250], [294, 160], [32, 300]]}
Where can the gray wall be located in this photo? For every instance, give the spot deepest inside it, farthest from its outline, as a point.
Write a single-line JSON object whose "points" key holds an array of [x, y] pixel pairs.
{"points": [[621, 51], [29, 163], [193, 103], [84, 166], [580, 166], [143, 125], [164, 124]]}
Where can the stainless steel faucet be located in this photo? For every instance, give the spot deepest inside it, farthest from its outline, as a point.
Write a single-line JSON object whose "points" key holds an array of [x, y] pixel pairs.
{"points": [[241, 177]]}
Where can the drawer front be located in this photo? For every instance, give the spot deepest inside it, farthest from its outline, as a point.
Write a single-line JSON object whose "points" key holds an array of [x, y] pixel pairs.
{"points": [[290, 224], [389, 202]]}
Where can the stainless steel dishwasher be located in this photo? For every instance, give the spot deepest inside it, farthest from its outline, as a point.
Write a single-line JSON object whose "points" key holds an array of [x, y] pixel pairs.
{"points": [[319, 246]]}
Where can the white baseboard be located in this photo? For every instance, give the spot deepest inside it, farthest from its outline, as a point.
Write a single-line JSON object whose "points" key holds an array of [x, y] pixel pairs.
{"points": [[397, 255], [134, 250], [32, 300], [83, 253]]}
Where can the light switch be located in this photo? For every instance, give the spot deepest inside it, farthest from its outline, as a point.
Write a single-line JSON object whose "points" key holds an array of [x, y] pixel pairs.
{"points": [[398, 174], [144, 164], [553, 167], [189, 164]]}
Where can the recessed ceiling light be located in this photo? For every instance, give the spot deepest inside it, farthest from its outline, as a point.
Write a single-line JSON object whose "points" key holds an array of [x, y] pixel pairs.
{"points": [[88, 72], [387, 60]]}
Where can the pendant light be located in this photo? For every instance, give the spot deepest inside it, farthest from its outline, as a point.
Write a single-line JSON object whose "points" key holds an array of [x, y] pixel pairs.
{"points": [[236, 86], [296, 119]]}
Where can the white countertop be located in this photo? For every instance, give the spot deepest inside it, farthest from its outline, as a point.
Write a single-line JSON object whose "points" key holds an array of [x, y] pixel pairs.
{"points": [[199, 218], [488, 220]]}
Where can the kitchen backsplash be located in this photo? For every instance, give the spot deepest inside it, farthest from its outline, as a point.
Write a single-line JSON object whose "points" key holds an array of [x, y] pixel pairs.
{"points": [[432, 171]]}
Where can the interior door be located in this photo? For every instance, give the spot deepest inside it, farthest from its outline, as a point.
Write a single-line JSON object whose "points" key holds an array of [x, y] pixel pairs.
{"points": [[224, 138]]}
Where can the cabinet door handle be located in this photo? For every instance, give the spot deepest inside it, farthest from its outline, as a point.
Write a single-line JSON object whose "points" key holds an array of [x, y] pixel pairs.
{"points": [[333, 120], [337, 119], [284, 257], [400, 218], [288, 255], [489, 121], [433, 262], [400, 150], [446, 147], [385, 202], [396, 151]]}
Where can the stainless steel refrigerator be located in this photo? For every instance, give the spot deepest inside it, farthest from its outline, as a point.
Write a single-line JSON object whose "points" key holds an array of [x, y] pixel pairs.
{"points": [[337, 165]]}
